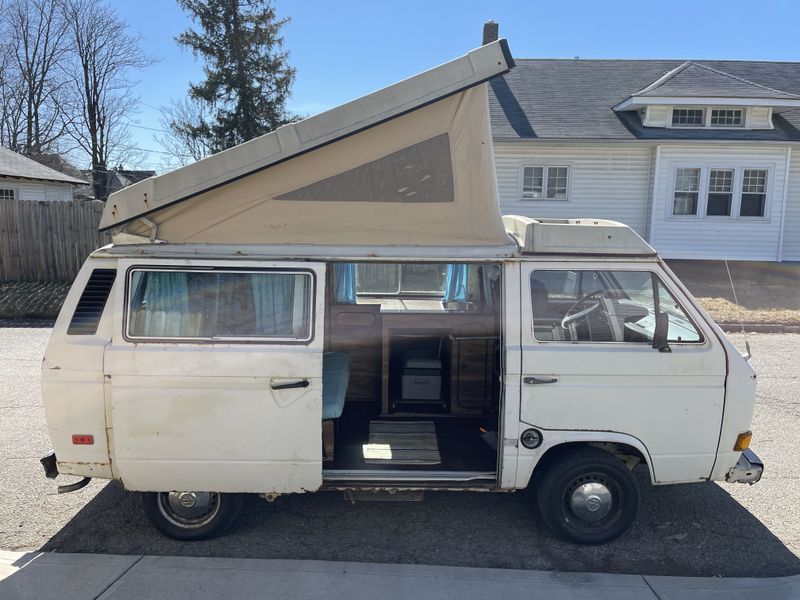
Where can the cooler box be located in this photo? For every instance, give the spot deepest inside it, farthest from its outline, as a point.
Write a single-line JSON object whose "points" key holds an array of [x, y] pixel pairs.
{"points": [[422, 379]]}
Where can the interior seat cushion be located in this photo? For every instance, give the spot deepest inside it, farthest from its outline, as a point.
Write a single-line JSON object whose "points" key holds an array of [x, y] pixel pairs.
{"points": [[335, 378]]}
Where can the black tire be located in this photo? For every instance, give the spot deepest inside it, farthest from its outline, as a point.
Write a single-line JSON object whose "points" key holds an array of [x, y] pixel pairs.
{"points": [[213, 518], [578, 484]]}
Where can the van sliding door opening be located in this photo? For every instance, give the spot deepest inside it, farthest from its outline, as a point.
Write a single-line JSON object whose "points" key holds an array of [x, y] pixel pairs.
{"points": [[420, 346]]}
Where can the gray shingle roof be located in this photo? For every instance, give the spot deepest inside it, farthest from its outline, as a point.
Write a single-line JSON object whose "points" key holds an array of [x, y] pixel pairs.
{"points": [[573, 99], [701, 81], [16, 165]]}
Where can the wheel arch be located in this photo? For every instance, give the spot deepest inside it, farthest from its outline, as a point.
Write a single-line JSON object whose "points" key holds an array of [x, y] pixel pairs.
{"points": [[533, 462]]}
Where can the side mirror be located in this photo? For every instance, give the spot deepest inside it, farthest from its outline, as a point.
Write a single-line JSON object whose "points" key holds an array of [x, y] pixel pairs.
{"points": [[661, 334]]}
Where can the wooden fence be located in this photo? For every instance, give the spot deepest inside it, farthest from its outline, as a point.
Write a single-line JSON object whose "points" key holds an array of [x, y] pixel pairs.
{"points": [[47, 241]]}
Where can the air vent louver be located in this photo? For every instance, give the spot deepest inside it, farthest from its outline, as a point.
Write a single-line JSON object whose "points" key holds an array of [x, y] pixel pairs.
{"points": [[92, 302]]}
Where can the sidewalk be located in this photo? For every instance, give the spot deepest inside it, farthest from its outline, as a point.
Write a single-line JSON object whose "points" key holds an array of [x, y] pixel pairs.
{"points": [[42, 576]]}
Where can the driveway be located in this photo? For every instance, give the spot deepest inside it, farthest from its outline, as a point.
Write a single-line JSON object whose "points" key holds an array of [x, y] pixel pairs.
{"points": [[700, 529]]}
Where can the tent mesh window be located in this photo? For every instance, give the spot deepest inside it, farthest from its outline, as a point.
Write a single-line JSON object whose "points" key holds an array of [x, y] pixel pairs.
{"points": [[422, 172]]}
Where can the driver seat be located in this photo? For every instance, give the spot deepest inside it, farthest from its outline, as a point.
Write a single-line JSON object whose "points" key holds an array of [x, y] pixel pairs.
{"points": [[546, 324]]}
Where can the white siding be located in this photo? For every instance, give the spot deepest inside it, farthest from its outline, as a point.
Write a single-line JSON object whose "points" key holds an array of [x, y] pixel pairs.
{"points": [[608, 181], [716, 238], [760, 117], [656, 116], [791, 227], [39, 190]]}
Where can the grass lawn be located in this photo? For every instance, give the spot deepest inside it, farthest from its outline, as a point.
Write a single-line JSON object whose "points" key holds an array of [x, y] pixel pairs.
{"points": [[768, 293]]}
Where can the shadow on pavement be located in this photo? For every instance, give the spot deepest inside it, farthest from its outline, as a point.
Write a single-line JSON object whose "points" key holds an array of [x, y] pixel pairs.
{"points": [[690, 530]]}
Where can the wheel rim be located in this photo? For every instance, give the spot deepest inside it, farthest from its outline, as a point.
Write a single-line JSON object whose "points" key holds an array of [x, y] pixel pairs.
{"points": [[189, 510], [592, 502]]}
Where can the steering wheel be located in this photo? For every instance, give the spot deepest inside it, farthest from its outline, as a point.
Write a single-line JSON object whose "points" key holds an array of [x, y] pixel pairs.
{"points": [[571, 318]]}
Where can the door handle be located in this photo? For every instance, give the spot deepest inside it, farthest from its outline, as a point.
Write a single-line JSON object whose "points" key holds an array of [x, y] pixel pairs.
{"points": [[537, 380], [303, 383]]}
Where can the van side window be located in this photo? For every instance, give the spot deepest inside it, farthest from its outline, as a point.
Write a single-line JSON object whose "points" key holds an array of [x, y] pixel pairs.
{"points": [[219, 305], [604, 306], [92, 302]]}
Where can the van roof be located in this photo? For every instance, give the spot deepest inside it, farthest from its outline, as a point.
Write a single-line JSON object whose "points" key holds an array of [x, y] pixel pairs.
{"points": [[525, 236]]}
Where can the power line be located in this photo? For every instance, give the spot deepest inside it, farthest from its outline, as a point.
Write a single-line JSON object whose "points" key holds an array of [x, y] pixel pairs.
{"points": [[148, 128]]}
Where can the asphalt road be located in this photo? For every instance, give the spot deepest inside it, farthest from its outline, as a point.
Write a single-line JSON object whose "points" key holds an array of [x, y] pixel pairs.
{"points": [[701, 529]]}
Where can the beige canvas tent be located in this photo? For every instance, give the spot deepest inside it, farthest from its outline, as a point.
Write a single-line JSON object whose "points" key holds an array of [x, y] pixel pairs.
{"points": [[410, 164]]}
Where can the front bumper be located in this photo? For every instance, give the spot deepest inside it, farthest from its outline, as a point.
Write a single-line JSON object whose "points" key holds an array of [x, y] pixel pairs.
{"points": [[748, 469]]}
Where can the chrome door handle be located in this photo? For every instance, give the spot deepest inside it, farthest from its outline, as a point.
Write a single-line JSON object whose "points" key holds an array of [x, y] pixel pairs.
{"points": [[537, 380], [304, 383]]}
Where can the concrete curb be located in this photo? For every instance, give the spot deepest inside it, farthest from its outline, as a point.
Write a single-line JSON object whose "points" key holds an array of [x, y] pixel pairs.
{"points": [[42, 576]]}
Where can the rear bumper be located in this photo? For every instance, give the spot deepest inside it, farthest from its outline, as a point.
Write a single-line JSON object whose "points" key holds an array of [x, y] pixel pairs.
{"points": [[748, 469], [50, 465]]}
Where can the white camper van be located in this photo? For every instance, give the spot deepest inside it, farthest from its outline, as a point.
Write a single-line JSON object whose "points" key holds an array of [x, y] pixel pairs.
{"points": [[339, 305]]}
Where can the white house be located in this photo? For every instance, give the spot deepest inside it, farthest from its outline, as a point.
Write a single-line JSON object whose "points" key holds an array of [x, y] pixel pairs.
{"points": [[24, 179], [702, 158]]}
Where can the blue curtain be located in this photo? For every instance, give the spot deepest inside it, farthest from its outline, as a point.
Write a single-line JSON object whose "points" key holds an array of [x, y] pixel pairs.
{"points": [[166, 300], [344, 277], [274, 304], [455, 288]]}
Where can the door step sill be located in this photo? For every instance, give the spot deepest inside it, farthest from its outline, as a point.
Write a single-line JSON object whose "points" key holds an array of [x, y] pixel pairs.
{"points": [[377, 478]]}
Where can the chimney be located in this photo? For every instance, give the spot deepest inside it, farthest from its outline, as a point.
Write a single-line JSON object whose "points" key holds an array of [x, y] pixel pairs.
{"points": [[491, 31]]}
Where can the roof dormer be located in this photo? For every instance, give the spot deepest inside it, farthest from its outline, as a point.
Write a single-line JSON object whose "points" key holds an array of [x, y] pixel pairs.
{"points": [[695, 95]]}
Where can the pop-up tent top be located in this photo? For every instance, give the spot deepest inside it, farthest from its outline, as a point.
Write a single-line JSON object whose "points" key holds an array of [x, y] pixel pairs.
{"points": [[409, 165]]}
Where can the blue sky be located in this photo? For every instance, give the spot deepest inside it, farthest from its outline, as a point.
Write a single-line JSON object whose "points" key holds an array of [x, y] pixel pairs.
{"points": [[347, 48]]}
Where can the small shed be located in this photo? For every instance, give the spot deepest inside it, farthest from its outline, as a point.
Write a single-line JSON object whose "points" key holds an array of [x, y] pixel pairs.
{"points": [[22, 178]]}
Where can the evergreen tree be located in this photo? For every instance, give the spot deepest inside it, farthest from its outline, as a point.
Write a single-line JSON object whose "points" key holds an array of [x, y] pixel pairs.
{"points": [[247, 75]]}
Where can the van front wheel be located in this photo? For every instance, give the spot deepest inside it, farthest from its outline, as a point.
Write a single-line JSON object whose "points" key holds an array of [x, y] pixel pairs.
{"points": [[191, 515], [588, 496]]}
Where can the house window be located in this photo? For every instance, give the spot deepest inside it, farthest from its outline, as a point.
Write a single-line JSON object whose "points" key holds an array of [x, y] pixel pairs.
{"points": [[754, 193], [714, 191], [688, 117], [7, 194], [720, 192], [687, 191], [545, 183], [727, 117]]}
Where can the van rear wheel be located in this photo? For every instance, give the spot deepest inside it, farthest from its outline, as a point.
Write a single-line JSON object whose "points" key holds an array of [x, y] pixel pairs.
{"points": [[191, 515], [588, 496]]}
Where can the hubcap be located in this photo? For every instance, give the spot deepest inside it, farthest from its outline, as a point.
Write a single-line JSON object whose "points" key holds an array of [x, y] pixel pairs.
{"points": [[591, 502], [189, 509]]}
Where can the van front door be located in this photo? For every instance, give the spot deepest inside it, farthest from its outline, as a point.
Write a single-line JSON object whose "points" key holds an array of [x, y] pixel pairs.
{"points": [[214, 376], [588, 364]]}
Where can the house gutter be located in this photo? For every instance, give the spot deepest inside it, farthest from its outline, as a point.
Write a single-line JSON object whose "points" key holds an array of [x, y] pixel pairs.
{"points": [[652, 142]]}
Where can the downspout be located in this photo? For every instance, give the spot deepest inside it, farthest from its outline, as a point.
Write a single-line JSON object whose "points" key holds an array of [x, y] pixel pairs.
{"points": [[655, 176], [779, 257]]}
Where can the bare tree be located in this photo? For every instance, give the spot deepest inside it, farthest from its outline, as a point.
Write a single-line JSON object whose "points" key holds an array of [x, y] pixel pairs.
{"points": [[179, 121], [104, 54], [37, 34], [12, 128]]}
